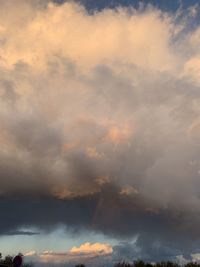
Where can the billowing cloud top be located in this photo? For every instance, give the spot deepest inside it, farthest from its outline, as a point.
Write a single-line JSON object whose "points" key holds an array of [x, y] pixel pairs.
{"points": [[100, 123]]}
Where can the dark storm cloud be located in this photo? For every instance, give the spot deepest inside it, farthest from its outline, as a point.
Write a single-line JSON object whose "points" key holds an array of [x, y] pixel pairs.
{"points": [[162, 234]]}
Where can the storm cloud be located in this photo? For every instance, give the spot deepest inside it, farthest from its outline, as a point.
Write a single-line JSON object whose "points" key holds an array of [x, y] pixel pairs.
{"points": [[100, 124]]}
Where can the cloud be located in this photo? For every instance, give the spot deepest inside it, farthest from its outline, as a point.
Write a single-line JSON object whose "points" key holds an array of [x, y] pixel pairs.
{"points": [[30, 253], [97, 248], [20, 232], [99, 124], [83, 253], [130, 40]]}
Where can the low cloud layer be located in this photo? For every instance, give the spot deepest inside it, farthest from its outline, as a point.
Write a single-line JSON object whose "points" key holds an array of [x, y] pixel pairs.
{"points": [[86, 253], [100, 123]]}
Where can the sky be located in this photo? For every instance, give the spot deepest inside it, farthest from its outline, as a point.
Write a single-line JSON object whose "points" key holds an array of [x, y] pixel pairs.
{"points": [[100, 131]]}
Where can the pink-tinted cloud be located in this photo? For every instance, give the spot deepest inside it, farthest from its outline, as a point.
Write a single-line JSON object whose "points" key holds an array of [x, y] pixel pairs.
{"points": [[85, 252]]}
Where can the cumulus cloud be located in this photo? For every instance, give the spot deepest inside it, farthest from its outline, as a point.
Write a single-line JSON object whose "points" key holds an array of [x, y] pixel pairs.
{"points": [[107, 36], [99, 123], [86, 252], [96, 248]]}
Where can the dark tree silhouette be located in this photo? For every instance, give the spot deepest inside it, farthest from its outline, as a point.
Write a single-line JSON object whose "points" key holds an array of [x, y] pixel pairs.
{"points": [[139, 263], [8, 260]]}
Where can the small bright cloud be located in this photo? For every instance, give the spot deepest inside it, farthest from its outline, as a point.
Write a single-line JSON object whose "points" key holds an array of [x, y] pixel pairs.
{"points": [[96, 248], [85, 252]]}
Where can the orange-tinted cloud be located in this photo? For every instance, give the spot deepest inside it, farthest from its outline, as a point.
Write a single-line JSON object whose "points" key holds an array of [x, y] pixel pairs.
{"points": [[83, 253]]}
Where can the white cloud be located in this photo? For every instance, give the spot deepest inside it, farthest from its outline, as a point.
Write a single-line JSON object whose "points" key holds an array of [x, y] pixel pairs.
{"points": [[195, 257], [30, 253], [39, 36]]}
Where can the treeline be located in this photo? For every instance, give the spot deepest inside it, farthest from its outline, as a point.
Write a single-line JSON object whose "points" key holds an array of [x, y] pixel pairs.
{"points": [[8, 261], [141, 263]]}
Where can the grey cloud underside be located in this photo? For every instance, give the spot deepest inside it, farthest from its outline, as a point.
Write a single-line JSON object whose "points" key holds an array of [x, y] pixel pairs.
{"points": [[162, 233]]}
